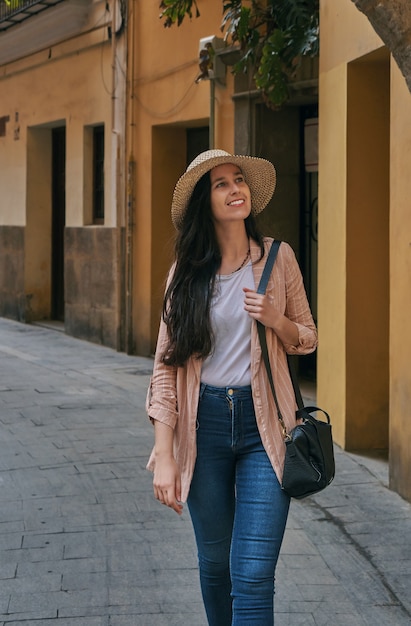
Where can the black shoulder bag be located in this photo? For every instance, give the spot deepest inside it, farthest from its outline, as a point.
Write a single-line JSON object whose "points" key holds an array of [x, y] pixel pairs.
{"points": [[309, 463]]}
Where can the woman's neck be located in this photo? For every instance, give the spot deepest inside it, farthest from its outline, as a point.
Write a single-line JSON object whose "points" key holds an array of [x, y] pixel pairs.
{"points": [[235, 251]]}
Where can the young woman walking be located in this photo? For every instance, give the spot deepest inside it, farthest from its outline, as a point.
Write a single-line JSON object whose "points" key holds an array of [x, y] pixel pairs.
{"points": [[218, 442]]}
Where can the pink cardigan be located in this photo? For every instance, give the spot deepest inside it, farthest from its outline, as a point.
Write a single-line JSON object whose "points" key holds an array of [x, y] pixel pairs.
{"points": [[173, 393]]}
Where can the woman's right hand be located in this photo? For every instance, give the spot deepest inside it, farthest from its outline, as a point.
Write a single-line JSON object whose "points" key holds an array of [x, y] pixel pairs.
{"points": [[167, 482]]}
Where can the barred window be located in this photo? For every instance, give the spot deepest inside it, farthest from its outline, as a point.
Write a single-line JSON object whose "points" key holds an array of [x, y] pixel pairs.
{"points": [[98, 174]]}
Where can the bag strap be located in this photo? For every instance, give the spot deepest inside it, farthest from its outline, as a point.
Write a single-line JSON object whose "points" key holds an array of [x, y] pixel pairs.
{"points": [[262, 286], [268, 267], [294, 380], [272, 255]]}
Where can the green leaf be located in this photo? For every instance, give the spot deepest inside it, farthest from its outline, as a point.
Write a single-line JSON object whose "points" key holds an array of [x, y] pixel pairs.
{"points": [[273, 35], [174, 11]]}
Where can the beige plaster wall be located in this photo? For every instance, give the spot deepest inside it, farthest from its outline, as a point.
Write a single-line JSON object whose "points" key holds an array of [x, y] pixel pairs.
{"points": [[33, 90], [68, 84], [12, 168]]}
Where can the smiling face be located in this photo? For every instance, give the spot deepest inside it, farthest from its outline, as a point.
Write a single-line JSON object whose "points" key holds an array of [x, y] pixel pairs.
{"points": [[230, 194]]}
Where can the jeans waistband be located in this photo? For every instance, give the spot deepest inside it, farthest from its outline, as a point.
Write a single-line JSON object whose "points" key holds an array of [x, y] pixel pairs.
{"points": [[223, 392]]}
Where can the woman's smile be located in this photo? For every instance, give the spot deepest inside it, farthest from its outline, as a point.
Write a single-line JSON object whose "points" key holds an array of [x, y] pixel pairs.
{"points": [[229, 190], [237, 202]]}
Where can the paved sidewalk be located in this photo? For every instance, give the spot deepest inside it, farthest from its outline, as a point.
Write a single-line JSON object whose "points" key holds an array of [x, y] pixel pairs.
{"points": [[84, 543]]}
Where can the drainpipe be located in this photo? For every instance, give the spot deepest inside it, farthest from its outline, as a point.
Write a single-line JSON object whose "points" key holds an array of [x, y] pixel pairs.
{"points": [[131, 176], [118, 131], [212, 114], [115, 149], [131, 172]]}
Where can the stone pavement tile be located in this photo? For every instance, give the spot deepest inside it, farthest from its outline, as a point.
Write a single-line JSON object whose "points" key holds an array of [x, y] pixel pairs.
{"points": [[76, 621], [189, 617], [44, 553], [374, 462], [41, 515], [358, 577], [318, 618], [305, 587], [13, 512], [323, 604], [295, 619], [4, 603], [185, 596], [380, 615], [28, 584], [397, 527], [7, 571], [62, 567], [401, 583], [31, 606], [91, 515], [48, 606], [8, 415], [10, 541]]}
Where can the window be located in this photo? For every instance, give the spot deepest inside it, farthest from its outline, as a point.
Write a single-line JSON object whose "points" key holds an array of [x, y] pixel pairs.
{"points": [[98, 174]]}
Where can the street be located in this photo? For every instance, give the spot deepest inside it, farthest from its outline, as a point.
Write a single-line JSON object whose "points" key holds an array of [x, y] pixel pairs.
{"points": [[84, 543]]}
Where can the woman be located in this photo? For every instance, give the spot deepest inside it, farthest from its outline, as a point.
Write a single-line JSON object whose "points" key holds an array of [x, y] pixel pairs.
{"points": [[218, 443]]}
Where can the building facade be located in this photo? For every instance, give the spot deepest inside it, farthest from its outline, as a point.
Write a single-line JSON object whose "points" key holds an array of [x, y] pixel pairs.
{"points": [[364, 271], [62, 104], [100, 114]]}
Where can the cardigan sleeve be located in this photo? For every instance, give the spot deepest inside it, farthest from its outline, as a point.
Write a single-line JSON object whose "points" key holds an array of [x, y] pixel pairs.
{"points": [[161, 401], [297, 307]]}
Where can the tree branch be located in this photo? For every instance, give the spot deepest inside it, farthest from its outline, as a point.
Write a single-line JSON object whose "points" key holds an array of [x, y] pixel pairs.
{"points": [[391, 20]]}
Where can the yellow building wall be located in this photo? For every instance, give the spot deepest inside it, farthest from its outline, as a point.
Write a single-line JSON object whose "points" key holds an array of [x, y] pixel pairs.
{"points": [[400, 297], [345, 34], [164, 63], [331, 374], [367, 253], [364, 278]]}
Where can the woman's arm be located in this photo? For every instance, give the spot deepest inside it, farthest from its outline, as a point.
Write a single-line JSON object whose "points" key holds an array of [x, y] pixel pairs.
{"points": [[162, 409], [294, 324], [166, 481]]}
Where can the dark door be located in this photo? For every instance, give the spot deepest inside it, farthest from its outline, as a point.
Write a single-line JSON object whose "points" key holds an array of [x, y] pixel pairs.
{"points": [[58, 222], [197, 142]]}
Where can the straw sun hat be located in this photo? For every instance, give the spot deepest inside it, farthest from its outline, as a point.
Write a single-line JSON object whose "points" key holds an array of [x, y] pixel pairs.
{"points": [[259, 175]]}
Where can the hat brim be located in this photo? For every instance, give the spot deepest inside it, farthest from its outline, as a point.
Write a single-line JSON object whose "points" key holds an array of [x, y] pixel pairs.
{"points": [[259, 174]]}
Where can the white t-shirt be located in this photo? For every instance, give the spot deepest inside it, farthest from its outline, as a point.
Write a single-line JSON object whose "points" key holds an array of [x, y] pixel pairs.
{"points": [[229, 364]]}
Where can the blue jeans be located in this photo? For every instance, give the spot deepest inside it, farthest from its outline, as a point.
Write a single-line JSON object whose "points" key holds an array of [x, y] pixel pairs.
{"points": [[238, 511]]}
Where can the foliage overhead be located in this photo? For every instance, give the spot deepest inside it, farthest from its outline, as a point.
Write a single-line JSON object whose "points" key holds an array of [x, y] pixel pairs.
{"points": [[273, 37]]}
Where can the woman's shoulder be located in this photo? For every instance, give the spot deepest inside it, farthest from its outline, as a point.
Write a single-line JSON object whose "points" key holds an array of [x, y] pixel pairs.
{"points": [[284, 250], [285, 253]]}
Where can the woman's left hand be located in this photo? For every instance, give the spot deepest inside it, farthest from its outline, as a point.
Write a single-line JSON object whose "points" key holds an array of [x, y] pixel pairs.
{"points": [[260, 307]]}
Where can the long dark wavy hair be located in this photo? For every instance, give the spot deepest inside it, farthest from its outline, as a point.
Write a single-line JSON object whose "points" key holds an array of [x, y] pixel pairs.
{"points": [[186, 307]]}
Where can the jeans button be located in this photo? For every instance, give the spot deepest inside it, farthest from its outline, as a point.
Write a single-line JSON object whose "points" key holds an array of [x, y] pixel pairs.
{"points": [[230, 392]]}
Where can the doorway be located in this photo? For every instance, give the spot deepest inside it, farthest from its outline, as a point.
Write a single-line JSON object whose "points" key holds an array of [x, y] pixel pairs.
{"points": [[58, 210]]}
